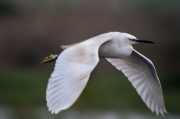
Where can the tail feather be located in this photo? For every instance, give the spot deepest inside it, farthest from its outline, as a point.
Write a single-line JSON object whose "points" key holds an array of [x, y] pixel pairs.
{"points": [[68, 46]]}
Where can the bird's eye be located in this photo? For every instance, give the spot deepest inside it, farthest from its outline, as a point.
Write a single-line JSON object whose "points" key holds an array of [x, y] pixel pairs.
{"points": [[129, 39]]}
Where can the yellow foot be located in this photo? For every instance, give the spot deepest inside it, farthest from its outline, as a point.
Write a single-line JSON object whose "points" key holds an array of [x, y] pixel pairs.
{"points": [[50, 58]]}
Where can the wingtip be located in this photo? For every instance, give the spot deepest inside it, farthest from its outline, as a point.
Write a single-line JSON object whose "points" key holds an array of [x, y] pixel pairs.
{"points": [[162, 113], [165, 111], [54, 111]]}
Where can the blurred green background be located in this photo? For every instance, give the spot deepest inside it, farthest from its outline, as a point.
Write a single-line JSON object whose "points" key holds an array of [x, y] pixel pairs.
{"points": [[30, 30]]}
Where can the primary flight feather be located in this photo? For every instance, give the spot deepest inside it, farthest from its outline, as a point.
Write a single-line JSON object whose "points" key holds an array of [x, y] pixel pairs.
{"points": [[75, 64]]}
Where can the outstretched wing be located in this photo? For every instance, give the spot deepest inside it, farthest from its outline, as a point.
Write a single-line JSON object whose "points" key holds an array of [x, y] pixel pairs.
{"points": [[71, 73], [141, 72]]}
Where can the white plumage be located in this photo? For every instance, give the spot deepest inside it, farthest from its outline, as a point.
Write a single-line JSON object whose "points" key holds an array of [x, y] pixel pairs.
{"points": [[75, 64]]}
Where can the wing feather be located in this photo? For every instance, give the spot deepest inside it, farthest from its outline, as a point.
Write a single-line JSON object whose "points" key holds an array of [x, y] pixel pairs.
{"points": [[141, 72], [70, 76], [72, 71]]}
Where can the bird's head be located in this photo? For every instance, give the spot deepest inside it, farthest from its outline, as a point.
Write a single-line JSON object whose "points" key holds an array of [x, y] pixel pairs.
{"points": [[130, 39]]}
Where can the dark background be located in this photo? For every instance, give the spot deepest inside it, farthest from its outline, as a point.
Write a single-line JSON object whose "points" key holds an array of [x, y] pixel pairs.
{"points": [[30, 30]]}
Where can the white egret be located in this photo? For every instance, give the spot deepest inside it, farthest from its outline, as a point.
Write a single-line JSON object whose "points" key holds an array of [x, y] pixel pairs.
{"points": [[75, 64]]}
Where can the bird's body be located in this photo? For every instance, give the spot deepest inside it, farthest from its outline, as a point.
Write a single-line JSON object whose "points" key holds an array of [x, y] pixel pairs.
{"points": [[114, 48], [75, 64]]}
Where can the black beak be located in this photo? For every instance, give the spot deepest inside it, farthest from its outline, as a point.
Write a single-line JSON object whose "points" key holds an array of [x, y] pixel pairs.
{"points": [[143, 41]]}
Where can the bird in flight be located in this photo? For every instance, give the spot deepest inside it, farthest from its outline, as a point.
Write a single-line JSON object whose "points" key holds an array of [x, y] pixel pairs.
{"points": [[75, 64]]}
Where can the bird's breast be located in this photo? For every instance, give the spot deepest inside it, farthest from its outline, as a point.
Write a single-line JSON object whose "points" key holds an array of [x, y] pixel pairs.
{"points": [[110, 50]]}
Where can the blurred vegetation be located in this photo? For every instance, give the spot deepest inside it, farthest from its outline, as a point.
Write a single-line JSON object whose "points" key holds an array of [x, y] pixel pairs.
{"points": [[31, 30], [108, 90]]}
